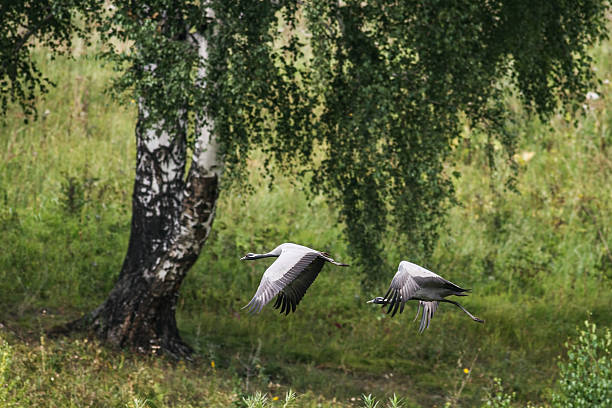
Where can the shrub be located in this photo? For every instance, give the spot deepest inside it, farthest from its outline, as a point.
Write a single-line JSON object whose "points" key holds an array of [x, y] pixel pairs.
{"points": [[260, 400], [586, 376], [370, 402], [497, 398]]}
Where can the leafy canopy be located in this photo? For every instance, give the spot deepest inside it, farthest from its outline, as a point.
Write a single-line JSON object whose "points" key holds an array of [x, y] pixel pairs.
{"points": [[51, 22], [365, 97], [379, 89]]}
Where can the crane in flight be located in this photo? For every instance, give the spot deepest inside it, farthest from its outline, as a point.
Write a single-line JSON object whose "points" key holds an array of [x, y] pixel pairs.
{"points": [[413, 282], [288, 277]]}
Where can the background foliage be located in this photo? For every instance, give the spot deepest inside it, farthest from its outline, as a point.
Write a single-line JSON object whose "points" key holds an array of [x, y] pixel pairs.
{"points": [[366, 99], [538, 261], [53, 22]]}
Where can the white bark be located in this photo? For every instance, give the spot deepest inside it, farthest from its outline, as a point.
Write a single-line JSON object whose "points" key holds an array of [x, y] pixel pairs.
{"points": [[200, 195], [206, 148]]}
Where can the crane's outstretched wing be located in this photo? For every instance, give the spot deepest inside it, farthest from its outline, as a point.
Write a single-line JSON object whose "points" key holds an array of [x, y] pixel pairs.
{"points": [[429, 308], [281, 274], [294, 291], [427, 279], [408, 280], [403, 287]]}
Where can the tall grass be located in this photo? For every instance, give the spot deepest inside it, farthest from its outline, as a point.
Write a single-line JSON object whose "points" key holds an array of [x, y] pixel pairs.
{"points": [[538, 261]]}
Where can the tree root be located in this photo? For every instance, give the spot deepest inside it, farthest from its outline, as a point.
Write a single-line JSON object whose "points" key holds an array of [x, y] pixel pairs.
{"points": [[171, 346]]}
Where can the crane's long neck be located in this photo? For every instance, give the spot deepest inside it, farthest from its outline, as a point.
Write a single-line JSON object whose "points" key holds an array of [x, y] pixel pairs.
{"points": [[274, 253], [258, 256], [380, 301]]}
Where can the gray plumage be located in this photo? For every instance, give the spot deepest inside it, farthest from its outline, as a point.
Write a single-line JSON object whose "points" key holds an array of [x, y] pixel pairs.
{"points": [[413, 282], [288, 277]]}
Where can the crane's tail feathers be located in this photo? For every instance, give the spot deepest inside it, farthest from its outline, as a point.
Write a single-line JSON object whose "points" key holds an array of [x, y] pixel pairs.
{"points": [[461, 292], [328, 258]]}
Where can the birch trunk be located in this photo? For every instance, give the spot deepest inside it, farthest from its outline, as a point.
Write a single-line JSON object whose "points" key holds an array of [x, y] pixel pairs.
{"points": [[171, 220]]}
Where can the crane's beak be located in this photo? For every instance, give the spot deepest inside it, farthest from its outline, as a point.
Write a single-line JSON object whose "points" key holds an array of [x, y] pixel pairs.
{"points": [[371, 301], [243, 258]]}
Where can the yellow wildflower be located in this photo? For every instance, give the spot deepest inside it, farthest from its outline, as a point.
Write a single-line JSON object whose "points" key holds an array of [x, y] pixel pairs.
{"points": [[212, 364], [275, 399], [466, 370]]}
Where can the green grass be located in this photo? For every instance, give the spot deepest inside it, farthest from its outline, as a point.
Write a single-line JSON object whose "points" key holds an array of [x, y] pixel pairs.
{"points": [[538, 261]]}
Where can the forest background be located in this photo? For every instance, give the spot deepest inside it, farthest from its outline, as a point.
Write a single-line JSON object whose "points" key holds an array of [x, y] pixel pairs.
{"points": [[537, 257]]}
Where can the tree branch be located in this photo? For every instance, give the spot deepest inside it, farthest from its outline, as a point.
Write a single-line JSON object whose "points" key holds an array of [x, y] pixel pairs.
{"points": [[31, 31]]}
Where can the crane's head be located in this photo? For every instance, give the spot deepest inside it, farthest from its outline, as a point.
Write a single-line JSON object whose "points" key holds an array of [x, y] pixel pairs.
{"points": [[379, 300], [248, 257]]}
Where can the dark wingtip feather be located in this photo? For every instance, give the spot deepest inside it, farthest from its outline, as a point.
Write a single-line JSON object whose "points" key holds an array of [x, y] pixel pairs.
{"points": [[397, 305], [393, 302], [389, 303], [386, 297], [278, 302]]}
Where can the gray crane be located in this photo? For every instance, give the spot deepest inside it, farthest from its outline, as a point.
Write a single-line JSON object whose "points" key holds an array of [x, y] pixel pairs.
{"points": [[413, 282], [288, 277]]}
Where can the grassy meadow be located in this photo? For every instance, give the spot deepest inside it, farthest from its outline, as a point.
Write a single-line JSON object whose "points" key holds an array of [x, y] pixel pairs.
{"points": [[539, 261]]}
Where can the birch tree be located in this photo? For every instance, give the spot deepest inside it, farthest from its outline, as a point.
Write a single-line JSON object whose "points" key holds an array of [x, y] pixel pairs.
{"points": [[368, 98]]}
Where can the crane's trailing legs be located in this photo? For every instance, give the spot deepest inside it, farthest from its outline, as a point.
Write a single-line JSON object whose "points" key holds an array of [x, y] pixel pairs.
{"points": [[413, 282], [474, 318]]}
